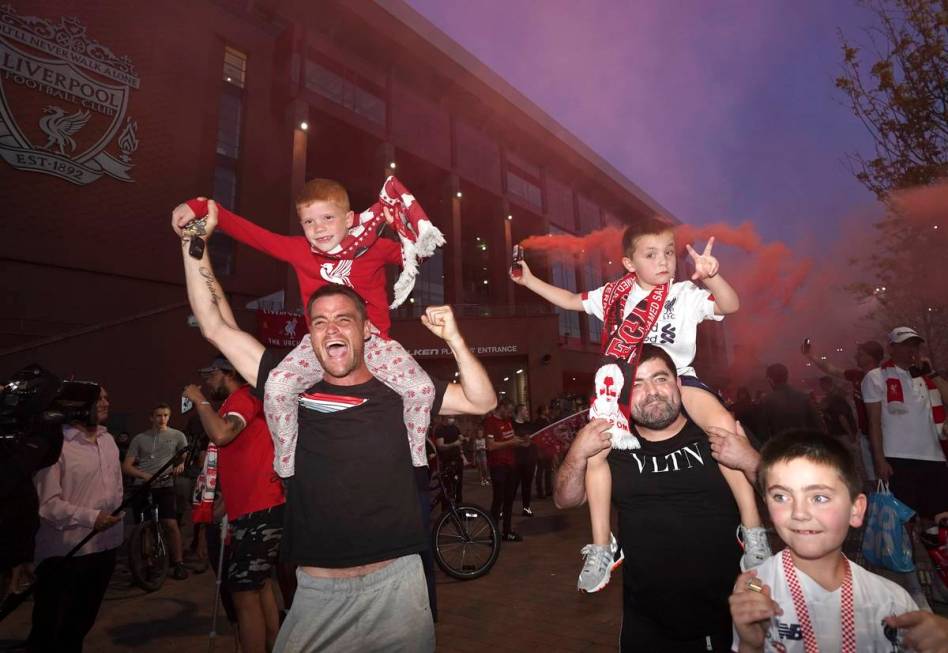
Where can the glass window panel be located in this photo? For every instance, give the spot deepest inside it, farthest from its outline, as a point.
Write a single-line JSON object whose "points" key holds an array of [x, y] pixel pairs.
{"points": [[517, 185], [228, 126], [235, 67]]}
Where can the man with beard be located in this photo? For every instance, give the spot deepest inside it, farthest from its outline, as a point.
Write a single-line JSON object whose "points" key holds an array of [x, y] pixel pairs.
{"points": [[353, 523], [669, 494], [253, 495]]}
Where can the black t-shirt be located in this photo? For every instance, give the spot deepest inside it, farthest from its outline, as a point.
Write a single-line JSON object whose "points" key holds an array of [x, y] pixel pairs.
{"points": [[450, 433], [677, 523], [353, 500]]}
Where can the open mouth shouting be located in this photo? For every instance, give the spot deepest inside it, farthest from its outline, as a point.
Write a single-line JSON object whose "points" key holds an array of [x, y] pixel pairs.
{"points": [[336, 349]]}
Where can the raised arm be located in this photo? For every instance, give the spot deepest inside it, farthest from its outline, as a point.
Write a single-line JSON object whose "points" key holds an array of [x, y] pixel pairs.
{"points": [[707, 270], [243, 230], [209, 306], [220, 430], [475, 394], [557, 296]]}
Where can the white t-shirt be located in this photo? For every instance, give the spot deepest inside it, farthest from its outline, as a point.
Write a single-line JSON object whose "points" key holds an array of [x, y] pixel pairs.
{"points": [[676, 328], [874, 598], [911, 434]]}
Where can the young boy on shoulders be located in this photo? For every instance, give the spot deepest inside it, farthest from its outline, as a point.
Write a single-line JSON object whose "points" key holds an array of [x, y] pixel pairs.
{"points": [[810, 597], [340, 247], [647, 305]]}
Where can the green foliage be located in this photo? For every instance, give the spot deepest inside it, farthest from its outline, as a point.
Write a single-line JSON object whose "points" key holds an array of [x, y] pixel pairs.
{"points": [[903, 100]]}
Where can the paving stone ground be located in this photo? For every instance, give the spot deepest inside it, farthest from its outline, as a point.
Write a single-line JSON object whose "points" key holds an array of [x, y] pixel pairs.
{"points": [[528, 602]]}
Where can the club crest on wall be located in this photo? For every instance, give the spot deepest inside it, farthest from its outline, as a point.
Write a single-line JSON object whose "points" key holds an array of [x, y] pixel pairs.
{"points": [[64, 100]]}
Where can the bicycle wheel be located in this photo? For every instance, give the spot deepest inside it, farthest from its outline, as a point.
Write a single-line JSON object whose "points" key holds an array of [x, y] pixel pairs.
{"points": [[465, 543], [148, 556]]}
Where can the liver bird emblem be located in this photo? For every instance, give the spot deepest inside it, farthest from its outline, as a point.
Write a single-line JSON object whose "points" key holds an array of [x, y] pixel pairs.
{"points": [[60, 128], [338, 273]]}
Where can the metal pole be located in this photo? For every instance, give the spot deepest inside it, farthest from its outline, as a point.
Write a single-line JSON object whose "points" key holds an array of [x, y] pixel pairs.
{"points": [[217, 595]]}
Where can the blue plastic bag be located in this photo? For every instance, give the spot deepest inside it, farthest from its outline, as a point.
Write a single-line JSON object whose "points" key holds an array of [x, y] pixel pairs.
{"points": [[885, 543]]}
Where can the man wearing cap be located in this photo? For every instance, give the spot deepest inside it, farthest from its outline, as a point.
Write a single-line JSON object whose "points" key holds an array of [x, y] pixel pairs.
{"points": [[253, 495], [869, 355], [905, 403], [148, 453]]}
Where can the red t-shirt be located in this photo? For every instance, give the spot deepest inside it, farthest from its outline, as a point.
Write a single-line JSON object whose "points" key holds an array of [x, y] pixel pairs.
{"points": [[855, 378], [500, 430], [365, 274], [245, 464]]}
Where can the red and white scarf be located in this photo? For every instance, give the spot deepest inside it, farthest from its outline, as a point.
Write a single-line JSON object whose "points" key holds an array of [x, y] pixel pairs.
{"points": [[895, 392], [623, 339], [202, 511], [417, 235], [622, 343], [847, 612]]}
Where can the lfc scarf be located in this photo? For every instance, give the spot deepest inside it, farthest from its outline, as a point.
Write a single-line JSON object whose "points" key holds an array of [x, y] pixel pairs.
{"points": [[418, 237], [623, 340], [895, 393], [202, 510]]}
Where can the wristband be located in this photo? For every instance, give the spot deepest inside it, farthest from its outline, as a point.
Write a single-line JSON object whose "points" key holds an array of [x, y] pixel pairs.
{"points": [[204, 403]]}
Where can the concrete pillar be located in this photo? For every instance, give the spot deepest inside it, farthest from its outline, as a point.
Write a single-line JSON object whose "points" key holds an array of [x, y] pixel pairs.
{"points": [[298, 119], [454, 288]]}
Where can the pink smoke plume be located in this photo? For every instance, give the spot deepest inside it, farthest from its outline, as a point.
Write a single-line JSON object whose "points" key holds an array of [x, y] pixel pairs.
{"points": [[926, 205], [769, 277]]}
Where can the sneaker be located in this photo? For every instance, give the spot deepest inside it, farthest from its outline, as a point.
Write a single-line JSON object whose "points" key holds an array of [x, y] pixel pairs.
{"points": [[527, 512], [179, 572], [512, 537], [755, 545], [600, 561]]}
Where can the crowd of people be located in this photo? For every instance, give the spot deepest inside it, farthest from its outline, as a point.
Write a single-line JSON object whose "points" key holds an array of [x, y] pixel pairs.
{"points": [[317, 462]]}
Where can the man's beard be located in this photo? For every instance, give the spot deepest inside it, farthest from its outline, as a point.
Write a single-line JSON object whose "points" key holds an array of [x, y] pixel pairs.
{"points": [[219, 393], [656, 414]]}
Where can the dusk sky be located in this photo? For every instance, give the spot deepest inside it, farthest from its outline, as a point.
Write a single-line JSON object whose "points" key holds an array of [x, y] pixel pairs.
{"points": [[724, 112], [720, 111]]}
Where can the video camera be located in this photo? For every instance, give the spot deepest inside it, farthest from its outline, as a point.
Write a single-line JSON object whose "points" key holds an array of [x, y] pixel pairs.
{"points": [[34, 400]]}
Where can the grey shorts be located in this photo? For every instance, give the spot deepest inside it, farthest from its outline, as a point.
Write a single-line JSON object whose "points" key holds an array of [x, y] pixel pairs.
{"points": [[384, 611]]}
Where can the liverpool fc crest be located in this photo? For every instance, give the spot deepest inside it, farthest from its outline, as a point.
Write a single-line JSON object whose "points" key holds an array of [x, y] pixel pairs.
{"points": [[63, 101]]}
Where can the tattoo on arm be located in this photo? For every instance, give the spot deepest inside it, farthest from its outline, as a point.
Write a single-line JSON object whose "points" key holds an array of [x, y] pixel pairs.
{"points": [[211, 284], [235, 423]]}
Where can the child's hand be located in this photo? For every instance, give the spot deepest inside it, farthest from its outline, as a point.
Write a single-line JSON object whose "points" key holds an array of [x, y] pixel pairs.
{"points": [[211, 223], [524, 277], [706, 266], [181, 216], [751, 611]]}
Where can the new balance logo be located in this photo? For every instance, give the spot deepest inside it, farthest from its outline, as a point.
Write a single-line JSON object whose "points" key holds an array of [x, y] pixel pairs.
{"points": [[790, 631]]}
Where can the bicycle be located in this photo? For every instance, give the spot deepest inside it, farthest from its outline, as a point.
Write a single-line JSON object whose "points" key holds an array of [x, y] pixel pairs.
{"points": [[148, 556], [464, 538]]}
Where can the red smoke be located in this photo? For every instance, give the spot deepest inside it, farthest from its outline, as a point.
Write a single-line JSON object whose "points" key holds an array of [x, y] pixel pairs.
{"points": [[924, 205], [788, 292], [768, 276]]}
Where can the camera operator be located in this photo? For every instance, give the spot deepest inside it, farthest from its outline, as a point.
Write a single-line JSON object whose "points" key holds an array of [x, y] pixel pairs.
{"points": [[19, 508], [76, 495]]}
